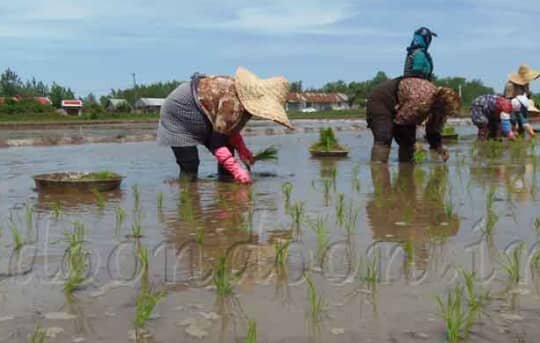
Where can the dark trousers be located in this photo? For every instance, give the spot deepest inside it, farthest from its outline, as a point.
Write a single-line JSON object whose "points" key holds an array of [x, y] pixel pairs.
{"points": [[187, 159], [384, 131]]}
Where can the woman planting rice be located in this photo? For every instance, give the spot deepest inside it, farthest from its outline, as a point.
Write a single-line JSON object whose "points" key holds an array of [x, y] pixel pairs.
{"points": [[396, 107], [488, 114], [211, 111]]}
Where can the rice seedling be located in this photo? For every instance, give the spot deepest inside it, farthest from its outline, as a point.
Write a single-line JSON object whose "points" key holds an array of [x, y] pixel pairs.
{"points": [[100, 199], [332, 173], [39, 335], [147, 299], [120, 216], [537, 225], [136, 197], [142, 258], [316, 302], [18, 241], [409, 250], [136, 226], [252, 332], [286, 189], [449, 208], [491, 215], [419, 156], [356, 182], [512, 265], [57, 210], [327, 188], [159, 200], [459, 317], [268, 154], [223, 278], [76, 258], [477, 299], [29, 217], [200, 236], [351, 219], [319, 228], [297, 212], [281, 248], [369, 271], [185, 209], [340, 209], [144, 307]]}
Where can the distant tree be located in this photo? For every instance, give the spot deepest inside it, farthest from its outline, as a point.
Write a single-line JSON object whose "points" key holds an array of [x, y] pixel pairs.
{"points": [[469, 89], [10, 83], [59, 93], [339, 86], [103, 100], [90, 99], [296, 86], [154, 90]]}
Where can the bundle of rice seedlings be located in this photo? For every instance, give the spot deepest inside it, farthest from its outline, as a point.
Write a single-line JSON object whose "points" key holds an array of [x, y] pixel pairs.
{"points": [[268, 154]]}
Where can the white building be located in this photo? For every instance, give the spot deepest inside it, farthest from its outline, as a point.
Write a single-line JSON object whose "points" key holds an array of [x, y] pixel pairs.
{"points": [[317, 101], [149, 105]]}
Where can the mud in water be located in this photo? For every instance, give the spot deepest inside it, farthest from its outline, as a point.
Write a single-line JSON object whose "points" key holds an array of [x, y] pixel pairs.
{"points": [[379, 243]]}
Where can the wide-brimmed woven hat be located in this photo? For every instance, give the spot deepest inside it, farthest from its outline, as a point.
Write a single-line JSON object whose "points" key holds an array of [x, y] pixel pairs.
{"points": [[532, 107], [263, 98], [524, 75]]}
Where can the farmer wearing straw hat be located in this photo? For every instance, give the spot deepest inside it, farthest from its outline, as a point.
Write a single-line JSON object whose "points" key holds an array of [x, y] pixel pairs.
{"points": [[211, 111], [518, 83], [396, 107]]}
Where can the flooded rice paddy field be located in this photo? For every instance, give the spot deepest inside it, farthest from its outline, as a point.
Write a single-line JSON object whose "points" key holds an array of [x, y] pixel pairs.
{"points": [[313, 251]]}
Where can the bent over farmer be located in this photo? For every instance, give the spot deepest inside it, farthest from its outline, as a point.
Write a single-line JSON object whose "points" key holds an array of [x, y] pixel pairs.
{"points": [[487, 114], [396, 107], [211, 111]]}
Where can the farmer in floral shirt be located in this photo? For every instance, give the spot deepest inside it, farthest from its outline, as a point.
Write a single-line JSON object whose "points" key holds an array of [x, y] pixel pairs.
{"points": [[396, 107], [486, 115], [211, 111]]}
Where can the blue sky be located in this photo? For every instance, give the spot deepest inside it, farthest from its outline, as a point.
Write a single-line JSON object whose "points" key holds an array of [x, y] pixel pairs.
{"points": [[93, 46]]}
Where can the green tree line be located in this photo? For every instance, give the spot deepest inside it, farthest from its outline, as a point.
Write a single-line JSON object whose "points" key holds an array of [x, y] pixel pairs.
{"points": [[358, 91], [153, 90]]}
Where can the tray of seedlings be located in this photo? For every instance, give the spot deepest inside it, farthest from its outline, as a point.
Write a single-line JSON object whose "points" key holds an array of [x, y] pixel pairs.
{"points": [[449, 134], [328, 146], [101, 181]]}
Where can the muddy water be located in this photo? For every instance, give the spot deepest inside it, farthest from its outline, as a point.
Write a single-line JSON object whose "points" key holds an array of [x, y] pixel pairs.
{"points": [[417, 225]]}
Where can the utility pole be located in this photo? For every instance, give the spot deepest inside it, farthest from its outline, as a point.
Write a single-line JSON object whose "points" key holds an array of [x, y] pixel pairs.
{"points": [[133, 76], [460, 91]]}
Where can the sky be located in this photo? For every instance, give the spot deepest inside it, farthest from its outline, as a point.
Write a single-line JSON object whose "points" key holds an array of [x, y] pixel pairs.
{"points": [[93, 46]]}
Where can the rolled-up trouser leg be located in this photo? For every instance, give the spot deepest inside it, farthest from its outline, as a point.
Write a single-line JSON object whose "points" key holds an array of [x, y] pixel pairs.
{"points": [[381, 125], [187, 159], [483, 133], [380, 152], [405, 136]]}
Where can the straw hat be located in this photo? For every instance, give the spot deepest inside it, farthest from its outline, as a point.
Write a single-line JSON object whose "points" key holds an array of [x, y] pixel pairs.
{"points": [[532, 107], [524, 75], [263, 98]]}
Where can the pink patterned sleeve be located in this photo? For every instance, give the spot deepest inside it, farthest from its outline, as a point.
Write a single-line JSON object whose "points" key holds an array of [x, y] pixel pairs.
{"points": [[415, 98]]}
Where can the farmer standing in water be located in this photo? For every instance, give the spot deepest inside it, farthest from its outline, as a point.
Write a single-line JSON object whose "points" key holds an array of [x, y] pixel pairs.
{"points": [[211, 111], [396, 107]]}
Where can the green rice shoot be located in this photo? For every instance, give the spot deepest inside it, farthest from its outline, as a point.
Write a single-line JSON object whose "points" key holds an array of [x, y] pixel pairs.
{"points": [[268, 154]]}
